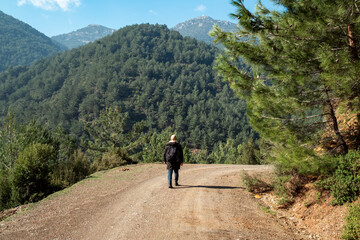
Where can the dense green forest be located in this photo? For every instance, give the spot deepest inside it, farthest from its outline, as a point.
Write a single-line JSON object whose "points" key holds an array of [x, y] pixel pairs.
{"points": [[36, 161], [150, 72], [21, 44]]}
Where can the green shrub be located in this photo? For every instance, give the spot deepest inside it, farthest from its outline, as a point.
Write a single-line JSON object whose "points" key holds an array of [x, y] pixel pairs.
{"points": [[249, 181], [31, 180], [344, 185], [227, 152], [30, 157], [5, 191], [344, 188], [76, 168], [352, 226], [254, 184], [200, 156], [153, 148], [111, 159], [282, 191]]}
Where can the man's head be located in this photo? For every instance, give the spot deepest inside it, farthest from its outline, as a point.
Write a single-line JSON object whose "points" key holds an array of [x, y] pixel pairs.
{"points": [[173, 138]]}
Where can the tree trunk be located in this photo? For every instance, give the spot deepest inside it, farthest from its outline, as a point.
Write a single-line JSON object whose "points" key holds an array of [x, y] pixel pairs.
{"points": [[352, 43], [341, 146]]}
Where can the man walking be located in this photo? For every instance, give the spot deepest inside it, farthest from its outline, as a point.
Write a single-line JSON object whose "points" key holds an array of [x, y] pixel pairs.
{"points": [[173, 158]]}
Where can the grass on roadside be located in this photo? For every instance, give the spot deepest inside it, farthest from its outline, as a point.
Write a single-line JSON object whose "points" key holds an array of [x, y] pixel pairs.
{"points": [[267, 210]]}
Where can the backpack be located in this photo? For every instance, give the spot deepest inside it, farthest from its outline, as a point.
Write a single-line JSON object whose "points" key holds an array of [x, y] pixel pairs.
{"points": [[171, 154]]}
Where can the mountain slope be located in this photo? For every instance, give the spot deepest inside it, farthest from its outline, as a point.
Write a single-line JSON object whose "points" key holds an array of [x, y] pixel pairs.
{"points": [[199, 28], [20, 44], [83, 36], [149, 71]]}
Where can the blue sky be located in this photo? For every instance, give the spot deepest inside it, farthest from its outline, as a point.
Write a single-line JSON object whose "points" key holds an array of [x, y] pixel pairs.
{"points": [[53, 17]]}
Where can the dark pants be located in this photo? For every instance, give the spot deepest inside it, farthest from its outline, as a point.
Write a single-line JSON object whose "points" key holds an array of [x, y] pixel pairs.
{"points": [[176, 171]]}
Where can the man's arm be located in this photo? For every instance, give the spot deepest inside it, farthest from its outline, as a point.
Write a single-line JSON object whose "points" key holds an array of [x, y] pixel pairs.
{"points": [[164, 155], [181, 155]]}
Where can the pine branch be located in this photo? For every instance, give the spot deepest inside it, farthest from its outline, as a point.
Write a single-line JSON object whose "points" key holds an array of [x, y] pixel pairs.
{"points": [[296, 38], [295, 119]]}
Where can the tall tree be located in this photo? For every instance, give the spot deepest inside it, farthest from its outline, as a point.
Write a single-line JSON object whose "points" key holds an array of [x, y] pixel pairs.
{"points": [[111, 131], [304, 63]]}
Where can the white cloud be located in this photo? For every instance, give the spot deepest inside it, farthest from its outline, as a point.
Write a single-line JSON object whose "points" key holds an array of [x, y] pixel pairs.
{"points": [[200, 8], [21, 2], [65, 5], [153, 12]]}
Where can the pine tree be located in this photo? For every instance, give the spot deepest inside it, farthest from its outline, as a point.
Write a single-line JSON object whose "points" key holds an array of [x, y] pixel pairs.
{"points": [[304, 64], [111, 131]]}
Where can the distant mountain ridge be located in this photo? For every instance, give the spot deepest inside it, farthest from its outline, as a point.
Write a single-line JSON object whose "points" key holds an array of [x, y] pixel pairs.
{"points": [[197, 28], [20, 44], [83, 36], [200, 27]]}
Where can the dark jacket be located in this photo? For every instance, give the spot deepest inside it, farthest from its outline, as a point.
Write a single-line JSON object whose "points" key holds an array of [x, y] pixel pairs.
{"points": [[175, 164]]}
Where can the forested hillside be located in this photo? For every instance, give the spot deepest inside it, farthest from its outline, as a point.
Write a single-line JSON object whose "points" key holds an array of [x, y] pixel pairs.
{"points": [[148, 71], [21, 44]]}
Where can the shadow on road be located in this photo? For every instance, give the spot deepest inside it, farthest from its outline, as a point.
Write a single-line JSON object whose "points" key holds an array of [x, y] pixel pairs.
{"points": [[205, 186]]}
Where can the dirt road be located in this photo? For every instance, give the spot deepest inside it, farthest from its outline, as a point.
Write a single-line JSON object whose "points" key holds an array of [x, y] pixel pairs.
{"points": [[135, 203]]}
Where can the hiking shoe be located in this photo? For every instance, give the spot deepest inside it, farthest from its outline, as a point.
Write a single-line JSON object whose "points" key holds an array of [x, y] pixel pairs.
{"points": [[176, 184], [170, 186]]}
